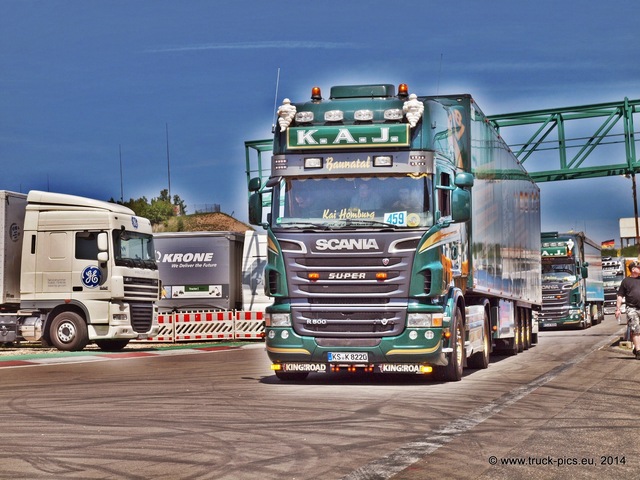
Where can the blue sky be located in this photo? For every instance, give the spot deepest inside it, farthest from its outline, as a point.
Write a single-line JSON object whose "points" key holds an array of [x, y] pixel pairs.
{"points": [[82, 79]]}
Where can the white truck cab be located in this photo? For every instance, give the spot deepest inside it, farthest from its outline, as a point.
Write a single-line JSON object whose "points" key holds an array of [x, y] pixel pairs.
{"points": [[86, 272]]}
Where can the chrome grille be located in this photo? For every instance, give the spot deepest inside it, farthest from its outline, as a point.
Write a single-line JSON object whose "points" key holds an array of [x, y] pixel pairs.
{"points": [[143, 289], [351, 292]]}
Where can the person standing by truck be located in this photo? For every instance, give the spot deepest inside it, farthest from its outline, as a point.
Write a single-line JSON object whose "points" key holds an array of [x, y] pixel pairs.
{"points": [[629, 290]]}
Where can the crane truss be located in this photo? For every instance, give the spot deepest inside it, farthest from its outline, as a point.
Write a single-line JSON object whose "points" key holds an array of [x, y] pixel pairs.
{"points": [[574, 142]]}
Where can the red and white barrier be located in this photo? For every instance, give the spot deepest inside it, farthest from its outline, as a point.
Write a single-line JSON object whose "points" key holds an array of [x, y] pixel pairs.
{"points": [[249, 325], [165, 333], [203, 325], [206, 325]]}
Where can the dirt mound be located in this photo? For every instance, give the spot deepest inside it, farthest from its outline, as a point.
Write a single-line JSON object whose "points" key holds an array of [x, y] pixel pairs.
{"points": [[203, 222]]}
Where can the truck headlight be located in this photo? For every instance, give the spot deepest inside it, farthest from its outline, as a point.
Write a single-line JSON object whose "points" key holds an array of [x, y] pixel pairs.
{"points": [[120, 319], [277, 320], [424, 320]]}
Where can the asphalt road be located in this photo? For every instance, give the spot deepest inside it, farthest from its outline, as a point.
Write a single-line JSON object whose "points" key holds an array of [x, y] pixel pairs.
{"points": [[567, 408]]}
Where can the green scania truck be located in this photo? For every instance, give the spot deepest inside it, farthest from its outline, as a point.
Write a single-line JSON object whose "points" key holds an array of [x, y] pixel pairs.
{"points": [[572, 284], [403, 236]]}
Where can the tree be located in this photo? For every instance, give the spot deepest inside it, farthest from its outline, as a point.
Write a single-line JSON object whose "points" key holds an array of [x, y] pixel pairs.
{"points": [[159, 210]]}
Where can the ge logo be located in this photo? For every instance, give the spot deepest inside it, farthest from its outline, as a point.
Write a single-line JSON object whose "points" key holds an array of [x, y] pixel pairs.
{"points": [[91, 277]]}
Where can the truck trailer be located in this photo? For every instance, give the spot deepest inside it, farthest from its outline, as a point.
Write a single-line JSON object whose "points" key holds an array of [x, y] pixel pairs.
{"points": [[213, 271], [75, 270], [403, 236], [212, 285], [572, 284]]}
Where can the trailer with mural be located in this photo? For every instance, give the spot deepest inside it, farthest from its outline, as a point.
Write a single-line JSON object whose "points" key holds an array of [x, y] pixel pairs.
{"points": [[403, 236], [572, 281]]}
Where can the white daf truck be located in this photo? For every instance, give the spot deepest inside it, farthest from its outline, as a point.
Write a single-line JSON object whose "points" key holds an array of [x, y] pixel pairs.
{"points": [[73, 271]]}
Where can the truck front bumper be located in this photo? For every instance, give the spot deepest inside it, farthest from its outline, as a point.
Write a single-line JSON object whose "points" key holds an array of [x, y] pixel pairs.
{"points": [[417, 346]]}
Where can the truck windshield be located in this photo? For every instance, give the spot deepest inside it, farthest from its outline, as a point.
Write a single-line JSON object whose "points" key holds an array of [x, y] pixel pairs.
{"points": [[352, 202], [558, 271], [133, 249]]}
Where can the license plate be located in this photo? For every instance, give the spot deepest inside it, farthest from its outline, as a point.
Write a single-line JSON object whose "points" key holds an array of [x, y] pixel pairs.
{"points": [[547, 324], [350, 357]]}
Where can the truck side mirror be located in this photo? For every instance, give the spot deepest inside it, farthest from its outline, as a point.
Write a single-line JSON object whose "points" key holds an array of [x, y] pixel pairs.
{"points": [[585, 272], [460, 205], [255, 208], [464, 180], [103, 242], [103, 247], [254, 184]]}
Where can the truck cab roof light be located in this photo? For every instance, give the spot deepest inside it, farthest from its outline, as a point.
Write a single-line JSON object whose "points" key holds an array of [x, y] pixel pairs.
{"points": [[304, 117], [313, 162], [363, 115], [383, 161], [403, 90], [316, 93], [393, 114], [333, 116]]}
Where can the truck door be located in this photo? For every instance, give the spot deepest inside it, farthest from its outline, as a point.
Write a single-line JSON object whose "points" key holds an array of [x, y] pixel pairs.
{"points": [[89, 275], [53, 263]]}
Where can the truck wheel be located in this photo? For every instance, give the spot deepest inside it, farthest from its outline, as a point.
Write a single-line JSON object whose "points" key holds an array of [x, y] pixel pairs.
{"points": [[68, 332], [526, 339], [292, 376], [453, 371], [481, 359], [112, 345], [514, 345], [521, 329]]}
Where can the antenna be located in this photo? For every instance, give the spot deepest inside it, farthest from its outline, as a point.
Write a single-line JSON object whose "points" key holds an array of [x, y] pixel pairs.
{"points": [[439, 73], [275, 102], [168, 163], [121, 188]]}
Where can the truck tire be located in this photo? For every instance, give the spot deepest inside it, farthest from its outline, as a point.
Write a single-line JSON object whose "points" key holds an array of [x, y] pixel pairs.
{"points": [[112, 345], [526, 338], [453, 371], [514, 345], [68, 332], [521, 330], [292, 376], [480, 360]]}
